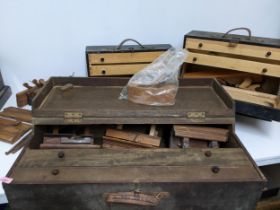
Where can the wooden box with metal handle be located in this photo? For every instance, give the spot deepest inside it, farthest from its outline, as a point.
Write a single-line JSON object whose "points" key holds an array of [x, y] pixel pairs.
{"points": [[154, 178], [250, 65], [122, 59]]}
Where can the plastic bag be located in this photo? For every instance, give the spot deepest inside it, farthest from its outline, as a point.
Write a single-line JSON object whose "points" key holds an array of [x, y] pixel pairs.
{"points": [[157, 84]]}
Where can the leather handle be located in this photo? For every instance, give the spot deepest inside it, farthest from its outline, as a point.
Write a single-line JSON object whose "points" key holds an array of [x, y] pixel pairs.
{"points": [[129, 39], [136, 198], [236, 29]]}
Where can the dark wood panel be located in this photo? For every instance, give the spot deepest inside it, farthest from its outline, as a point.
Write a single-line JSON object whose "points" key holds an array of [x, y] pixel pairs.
{"points": [[127, 174], [140, 157]]}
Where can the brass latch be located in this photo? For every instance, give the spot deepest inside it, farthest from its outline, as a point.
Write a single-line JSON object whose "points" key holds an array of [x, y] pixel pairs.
{"points": [[73, 117], [196, 116]]}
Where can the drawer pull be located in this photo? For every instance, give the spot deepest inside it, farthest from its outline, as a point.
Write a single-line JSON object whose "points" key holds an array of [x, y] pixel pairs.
{"points": [[215, 169], [61, 154], [136, 198], [102, 60], [200, 45], [194, 59], [55, 172], [103, 72], [208, 153], [264, 70], [268, 54]]}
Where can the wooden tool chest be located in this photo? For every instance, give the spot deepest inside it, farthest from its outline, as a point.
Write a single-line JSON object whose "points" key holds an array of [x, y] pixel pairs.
{"points": [[121, 59], [248, 66], [5, 92], [163, 176]]}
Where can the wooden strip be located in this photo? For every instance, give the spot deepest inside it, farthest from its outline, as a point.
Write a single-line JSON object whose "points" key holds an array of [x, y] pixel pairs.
{"points": [[69, 146], [200, 132], [12, 130], [239, 49], [234, 64], [139, 157], [249, 96], [136, 57], [132, 174], [133, 137], [17, 113], [126, 69], [125, 143]]}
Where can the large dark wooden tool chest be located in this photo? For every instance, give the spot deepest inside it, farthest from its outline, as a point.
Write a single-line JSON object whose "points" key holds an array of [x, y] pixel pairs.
{"points": [[162, 176], [247, 66], [5, 92], [121, 60]]}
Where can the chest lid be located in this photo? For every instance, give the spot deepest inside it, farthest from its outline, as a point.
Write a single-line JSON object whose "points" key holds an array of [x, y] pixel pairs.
{"points": [[229, 37], [122, 48], [69, 100]]}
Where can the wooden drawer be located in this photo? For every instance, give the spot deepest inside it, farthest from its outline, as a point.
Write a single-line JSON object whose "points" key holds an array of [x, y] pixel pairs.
{"points": [[115, 69], [235, 64], [117, 58], [121, 59], [268, 53], [135, 179]]}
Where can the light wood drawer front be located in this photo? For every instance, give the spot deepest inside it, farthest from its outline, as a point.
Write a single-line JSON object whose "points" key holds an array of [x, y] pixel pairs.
{"points": [[239, 49], [234, 64], [109, 58], [126, 69]]}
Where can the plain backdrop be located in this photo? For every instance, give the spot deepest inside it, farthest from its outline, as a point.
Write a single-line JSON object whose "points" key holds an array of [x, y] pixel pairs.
{"points": [[42, 38]]}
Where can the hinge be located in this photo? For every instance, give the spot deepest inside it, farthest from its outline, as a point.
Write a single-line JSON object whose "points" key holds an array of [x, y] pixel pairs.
{"points": [[73, 117], [196, 116]]}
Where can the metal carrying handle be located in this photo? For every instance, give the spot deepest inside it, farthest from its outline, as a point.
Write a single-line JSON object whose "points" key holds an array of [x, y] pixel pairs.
{"points": [[126, 40], [236, 29], [136, 198]]}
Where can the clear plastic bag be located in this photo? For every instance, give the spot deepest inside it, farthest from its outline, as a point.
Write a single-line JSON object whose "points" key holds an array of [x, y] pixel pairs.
{"points": [[157, 84]]}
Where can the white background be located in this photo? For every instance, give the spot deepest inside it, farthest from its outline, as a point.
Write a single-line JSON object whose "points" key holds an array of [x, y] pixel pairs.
{"points": [[42, 38]]}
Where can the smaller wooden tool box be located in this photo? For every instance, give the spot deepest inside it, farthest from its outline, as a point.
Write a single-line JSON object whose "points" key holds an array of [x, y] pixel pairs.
{"points": [[121, 59], [5, 92], [248, 66]]}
